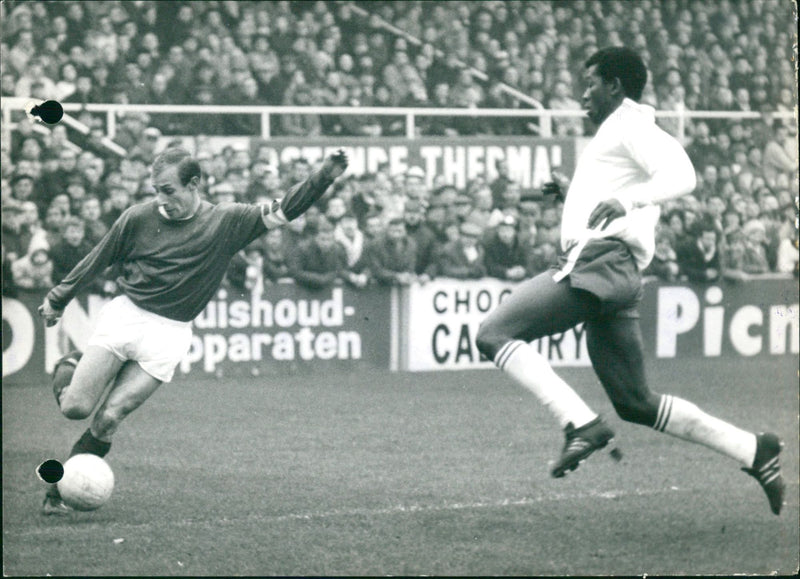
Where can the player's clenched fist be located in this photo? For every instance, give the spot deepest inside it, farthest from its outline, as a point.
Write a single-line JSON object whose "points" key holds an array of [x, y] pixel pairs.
{"points": [[335, 164], [49, 314]]}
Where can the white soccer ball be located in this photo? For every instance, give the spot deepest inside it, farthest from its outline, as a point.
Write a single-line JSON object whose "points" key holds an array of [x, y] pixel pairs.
{"points": [[87, 482]]}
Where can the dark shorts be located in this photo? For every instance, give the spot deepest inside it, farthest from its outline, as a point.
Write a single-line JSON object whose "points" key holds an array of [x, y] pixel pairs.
{"points": [[606, 269]]}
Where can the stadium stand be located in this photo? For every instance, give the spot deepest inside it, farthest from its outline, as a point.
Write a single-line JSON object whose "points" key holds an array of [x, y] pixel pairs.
{"points": [[722, 56]]}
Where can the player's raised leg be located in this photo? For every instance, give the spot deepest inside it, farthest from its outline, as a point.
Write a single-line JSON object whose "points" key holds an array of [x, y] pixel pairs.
{"points": [[79, 382], [615, 347], [131, 388], [541, 307]]}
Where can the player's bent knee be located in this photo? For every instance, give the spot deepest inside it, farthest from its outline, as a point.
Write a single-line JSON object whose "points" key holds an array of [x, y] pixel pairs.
{"points": [[489, 341], [75, 409], [637, 411]]}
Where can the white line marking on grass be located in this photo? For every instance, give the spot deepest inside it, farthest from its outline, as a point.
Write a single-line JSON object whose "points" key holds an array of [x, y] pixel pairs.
{"points": [[523, 502], [357, 511]]}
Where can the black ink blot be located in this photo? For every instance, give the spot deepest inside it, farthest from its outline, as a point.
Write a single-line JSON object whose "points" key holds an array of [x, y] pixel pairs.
{"points": [[50, 471], [49, 111]]}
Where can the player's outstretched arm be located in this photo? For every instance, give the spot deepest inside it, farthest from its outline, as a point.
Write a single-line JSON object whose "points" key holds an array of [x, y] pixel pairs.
{"points": [[300, 197]]}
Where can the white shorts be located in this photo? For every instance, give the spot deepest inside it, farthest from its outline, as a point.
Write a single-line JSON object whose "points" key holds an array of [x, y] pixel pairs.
{"points": [[157, 343]]}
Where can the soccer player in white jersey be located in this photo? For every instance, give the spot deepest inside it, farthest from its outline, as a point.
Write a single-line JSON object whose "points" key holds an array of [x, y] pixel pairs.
{"points": [[173, 252], [607, 239]]}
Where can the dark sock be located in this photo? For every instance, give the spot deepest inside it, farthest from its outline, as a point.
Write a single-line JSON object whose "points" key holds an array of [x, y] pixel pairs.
{"points": [[88, 444]]}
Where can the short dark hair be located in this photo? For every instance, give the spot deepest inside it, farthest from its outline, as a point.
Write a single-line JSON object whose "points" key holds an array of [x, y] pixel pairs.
{"points": [[188, 168], [622, 63]]}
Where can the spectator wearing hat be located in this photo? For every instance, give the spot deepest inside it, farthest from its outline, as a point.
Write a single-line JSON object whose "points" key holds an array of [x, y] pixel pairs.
{"points": [[321, 262], [504, 253], [462, 258], [392, 257], [436, 220], [415, 186], [424, 238], [530, 210]]}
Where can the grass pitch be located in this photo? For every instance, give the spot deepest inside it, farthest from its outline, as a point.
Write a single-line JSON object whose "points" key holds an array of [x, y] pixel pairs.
{"points": [[403, 474]]}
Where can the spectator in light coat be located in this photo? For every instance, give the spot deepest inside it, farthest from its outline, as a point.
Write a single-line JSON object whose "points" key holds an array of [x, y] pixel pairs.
{"points": [[351, 238]]}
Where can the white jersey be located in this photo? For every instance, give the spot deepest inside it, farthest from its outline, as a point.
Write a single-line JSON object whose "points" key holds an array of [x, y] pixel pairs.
{"points": [[634, 161]]}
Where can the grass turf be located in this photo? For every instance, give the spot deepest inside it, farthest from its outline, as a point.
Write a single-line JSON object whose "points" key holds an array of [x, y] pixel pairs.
{"points": [[405, 474]]}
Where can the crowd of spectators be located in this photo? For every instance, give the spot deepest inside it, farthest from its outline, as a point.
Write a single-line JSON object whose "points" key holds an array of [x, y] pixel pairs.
{"points": [[59, 199], [721, 55], [379, 228]]}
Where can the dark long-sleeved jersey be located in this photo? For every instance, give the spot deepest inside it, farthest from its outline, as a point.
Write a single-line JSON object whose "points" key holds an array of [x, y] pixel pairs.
{"points": [[173, 268]]}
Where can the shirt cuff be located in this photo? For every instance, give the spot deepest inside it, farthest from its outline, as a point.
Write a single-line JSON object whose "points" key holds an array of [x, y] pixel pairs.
{"points": [[272, 215]]}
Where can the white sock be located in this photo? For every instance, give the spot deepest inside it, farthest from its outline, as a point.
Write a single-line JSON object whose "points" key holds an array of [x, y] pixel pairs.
{"points": [[532, 370], [684, 420]]}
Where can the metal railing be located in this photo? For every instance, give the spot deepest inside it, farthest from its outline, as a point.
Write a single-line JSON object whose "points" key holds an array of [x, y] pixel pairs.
{"points": [[410, 114]]}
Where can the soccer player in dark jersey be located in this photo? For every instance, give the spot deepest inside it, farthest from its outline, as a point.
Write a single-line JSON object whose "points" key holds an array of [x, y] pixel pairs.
{"points": [[607, 236], [173, 252]]}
